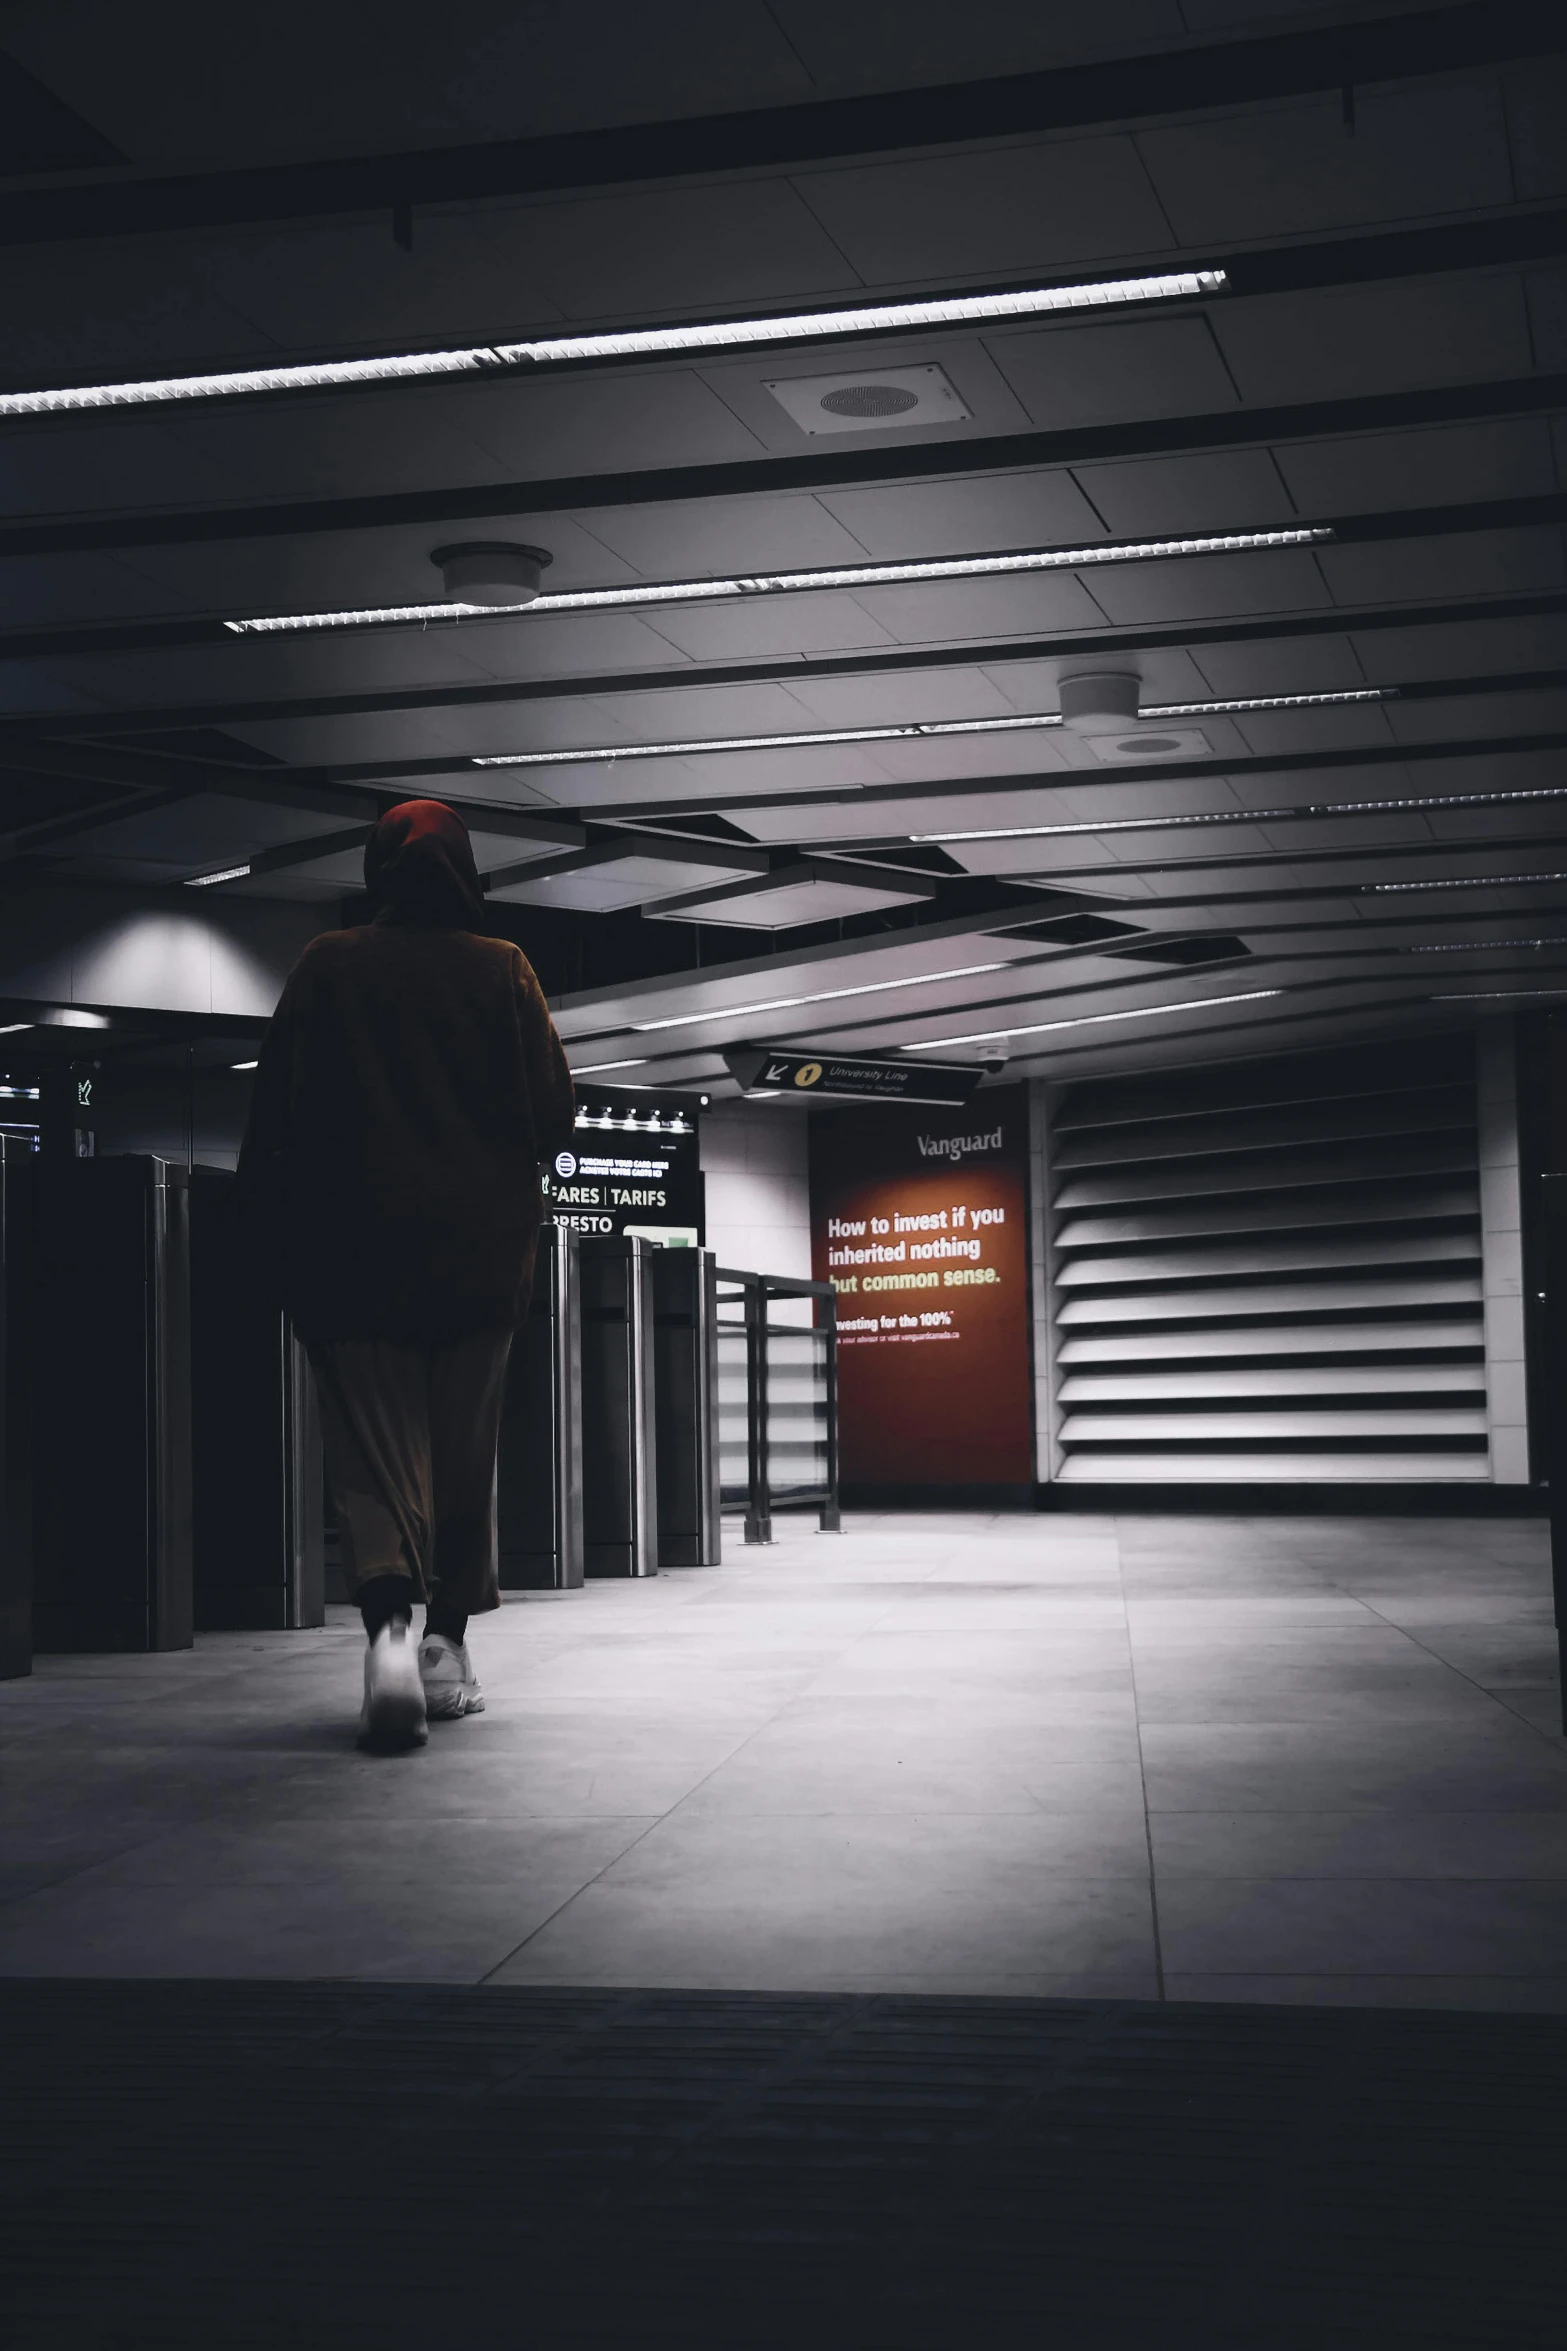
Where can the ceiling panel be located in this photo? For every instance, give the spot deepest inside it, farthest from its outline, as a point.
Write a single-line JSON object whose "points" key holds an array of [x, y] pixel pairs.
{"points": [[1469, 563], [331, 447], [346, 285], [946, 611], [760, 626], [1536, 99], [719, 536], [1270, 579], [1489, 715], [1229, 489], [206, 830], [109, 308], [1090, 375], [1440, 465], [540, 426], [622, 881], [1281, 665], [1272, 732], [1012, 208], [1470, 648], [1286, 170], [75, 467], [746, 242], [498, 73], [934, 42], [1352, 340], [978, 515], [916, 695], [1546, 290]]}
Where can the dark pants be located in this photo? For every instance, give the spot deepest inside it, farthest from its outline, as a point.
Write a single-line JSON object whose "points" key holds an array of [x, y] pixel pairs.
{"points": [[410, 1433]]}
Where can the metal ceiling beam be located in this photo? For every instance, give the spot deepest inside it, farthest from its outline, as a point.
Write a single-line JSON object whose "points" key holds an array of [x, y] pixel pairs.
{"points": [[1230, 73], [81, 638], [771, 476], [1338, 621]]}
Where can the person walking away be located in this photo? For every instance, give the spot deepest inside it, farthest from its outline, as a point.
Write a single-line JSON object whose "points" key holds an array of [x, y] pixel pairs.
{"points": [[407, 1091]]}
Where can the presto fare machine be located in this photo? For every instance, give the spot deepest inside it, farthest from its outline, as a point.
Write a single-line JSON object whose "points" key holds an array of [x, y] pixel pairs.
{"points": [[576, 1483], [609, 1458]]}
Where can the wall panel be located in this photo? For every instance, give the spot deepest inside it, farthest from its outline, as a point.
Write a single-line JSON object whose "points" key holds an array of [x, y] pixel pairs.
{"points": [[1271, 1271]]}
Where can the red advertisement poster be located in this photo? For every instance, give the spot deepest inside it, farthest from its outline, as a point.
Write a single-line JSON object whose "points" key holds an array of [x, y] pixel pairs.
{"points": [[919, 1218]]}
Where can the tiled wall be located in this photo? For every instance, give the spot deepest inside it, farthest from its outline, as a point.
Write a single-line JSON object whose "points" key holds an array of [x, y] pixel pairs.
{"points": [[1502, 1281], [754, 1156]]}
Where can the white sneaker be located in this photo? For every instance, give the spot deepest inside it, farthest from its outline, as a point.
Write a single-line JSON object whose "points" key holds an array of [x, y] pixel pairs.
{"points": [[451, 1687], [394, 1713]]}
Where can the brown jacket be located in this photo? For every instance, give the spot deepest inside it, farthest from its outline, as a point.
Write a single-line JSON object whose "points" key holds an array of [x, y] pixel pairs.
{"points": [[409, 1087]]}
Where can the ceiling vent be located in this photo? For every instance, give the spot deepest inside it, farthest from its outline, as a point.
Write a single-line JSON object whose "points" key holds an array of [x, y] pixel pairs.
{"points": [[1149, 745], [491, 571], [876, 400], [1100, 702]]}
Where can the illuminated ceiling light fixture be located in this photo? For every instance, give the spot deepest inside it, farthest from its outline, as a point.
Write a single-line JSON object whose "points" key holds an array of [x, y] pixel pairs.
{"points": [[1473, 881], [14, 1028], [1478, 946], [1087, 1020], [227, 873], [593, 1069], [244, 1065], [1497, 995], [794, 583], [1312, 808], [918, 979], [634, 343], [923, 729]]}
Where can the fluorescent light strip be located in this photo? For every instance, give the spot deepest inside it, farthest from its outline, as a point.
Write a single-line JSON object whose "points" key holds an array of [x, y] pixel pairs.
{"points": [[1314, 808], [244, 1065], [1086, 1020], [14, 1028], [593, 1069], [1479, 946], [1498, 995], [924, 729], [1473, 881], [636, 343], [204, 881], [919, 979], [860, 575], [1271, 701]]}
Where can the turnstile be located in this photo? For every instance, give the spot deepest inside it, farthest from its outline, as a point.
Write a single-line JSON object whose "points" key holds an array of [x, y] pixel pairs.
{"points": [[255, 1436], [619, 1445], [112, 1484], [685, 1381], [539, 1470], [18, 1170]]}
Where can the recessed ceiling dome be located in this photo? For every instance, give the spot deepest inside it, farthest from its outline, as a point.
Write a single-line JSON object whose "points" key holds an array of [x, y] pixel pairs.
{"points": [[1100, 702], [491, 571]]}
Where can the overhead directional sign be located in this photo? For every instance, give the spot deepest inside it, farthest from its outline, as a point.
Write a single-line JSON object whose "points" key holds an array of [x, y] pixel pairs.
{"points": [[809, 1076]]}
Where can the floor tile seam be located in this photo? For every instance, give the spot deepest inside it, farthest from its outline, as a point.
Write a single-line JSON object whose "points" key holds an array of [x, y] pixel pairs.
{"points": [[52, 1885], [1549, 1738], [657, 1821], [1142, 1778]]}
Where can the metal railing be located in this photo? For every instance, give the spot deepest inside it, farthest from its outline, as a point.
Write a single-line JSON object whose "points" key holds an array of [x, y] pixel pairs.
{"points": [[777, 1401]]}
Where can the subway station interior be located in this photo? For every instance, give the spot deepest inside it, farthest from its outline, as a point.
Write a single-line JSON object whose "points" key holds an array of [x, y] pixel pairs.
{"points": [[988, 585]]}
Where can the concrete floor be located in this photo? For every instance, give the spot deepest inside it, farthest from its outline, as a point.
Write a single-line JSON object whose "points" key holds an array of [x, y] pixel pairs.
{"points": [[1302, 1759]]}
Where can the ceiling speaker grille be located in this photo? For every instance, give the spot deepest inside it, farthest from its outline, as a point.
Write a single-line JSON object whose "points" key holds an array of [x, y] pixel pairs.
{"points": [[870, 400]]}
